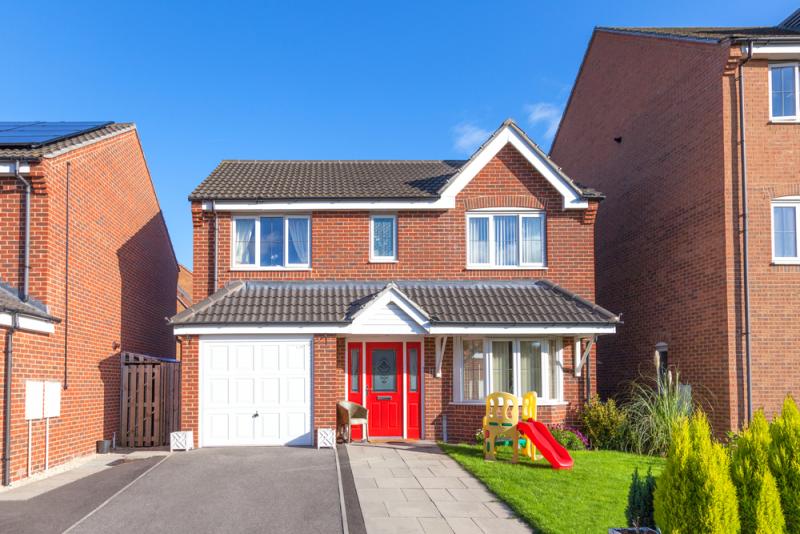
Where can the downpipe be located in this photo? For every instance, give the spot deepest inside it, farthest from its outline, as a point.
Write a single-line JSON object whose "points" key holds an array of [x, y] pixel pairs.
{"points": [[7, 401], [745, 237], [27, 252]]}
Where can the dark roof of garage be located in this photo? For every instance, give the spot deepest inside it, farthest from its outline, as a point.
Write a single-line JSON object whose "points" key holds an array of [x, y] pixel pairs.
{"points": [[11, 303], [523, 302]]}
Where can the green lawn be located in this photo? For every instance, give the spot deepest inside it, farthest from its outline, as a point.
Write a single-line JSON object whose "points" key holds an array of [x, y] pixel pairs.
{"points": [[589, 498]]}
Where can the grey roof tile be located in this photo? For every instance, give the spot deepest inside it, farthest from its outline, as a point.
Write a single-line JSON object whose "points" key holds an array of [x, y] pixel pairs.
{"points": [[715, 34], [64, 145], [523, 302]]}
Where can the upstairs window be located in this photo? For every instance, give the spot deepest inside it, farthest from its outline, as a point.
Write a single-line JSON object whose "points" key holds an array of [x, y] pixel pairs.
{"points": [[783, 83], [785, 222], [505, 240], [273, 242], [383, 238]]}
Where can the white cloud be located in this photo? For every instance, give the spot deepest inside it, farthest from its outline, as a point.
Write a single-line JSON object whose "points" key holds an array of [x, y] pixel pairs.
{"points": [[546, 114], [468, 137]]}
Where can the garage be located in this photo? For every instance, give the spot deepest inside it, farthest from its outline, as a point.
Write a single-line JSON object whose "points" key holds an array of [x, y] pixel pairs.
{"points": [[255, 391]]}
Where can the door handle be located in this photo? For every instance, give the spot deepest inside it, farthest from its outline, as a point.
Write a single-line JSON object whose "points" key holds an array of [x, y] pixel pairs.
{"points": [[255, 414], [384, 397]]}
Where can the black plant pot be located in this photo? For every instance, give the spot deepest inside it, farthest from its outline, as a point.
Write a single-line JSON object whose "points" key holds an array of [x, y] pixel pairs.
{"points": [[631, 530]]}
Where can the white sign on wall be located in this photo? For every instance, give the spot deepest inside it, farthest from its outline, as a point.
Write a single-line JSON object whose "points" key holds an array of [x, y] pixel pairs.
{"points": [[52, 399], [34, 399]]}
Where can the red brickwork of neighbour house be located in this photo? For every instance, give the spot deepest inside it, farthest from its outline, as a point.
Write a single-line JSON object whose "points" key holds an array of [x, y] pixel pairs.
{"points": [[431, 245], [122, 276], [669, 249]]}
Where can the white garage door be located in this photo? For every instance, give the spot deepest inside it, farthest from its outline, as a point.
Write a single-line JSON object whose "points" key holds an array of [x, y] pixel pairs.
{"points": [[255, 392]]}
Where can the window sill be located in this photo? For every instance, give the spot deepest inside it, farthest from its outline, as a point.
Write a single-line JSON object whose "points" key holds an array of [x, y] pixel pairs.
{"points": [[539, 402], [373, 260], [784, 121], [505, 268], [786, 261], [241, 268]]}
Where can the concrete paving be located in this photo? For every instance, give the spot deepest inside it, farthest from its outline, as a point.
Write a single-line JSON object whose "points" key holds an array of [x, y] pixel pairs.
{"points": [[414, 487]]}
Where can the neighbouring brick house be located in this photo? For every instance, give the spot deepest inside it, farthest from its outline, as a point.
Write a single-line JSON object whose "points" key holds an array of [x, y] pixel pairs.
{"points": [[413, 287], [184, 297], [654, 121], [101, 279]]}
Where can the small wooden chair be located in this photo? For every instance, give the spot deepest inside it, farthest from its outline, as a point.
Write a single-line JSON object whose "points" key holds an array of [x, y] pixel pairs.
{"points": [[500, 424], [349, 414]]}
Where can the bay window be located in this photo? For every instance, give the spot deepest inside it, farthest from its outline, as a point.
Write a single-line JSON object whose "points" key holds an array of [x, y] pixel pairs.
{"points": [[483, 366], [785, 223], [272, 242], [505, 239], [783, 84]]}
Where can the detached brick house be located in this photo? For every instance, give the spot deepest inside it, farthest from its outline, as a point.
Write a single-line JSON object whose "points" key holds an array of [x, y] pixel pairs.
{"points": [[412, 287], [90, 274], [702, 273]]}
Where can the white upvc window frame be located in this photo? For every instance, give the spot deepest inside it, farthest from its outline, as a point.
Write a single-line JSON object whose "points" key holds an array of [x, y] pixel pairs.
{"points": [[789, 202], [256, 266], [373, 258], [552, 354], [491, 213], [796, 116]]}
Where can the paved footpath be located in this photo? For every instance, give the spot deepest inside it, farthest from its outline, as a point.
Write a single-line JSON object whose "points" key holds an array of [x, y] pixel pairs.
{"points": [[415, 487]]}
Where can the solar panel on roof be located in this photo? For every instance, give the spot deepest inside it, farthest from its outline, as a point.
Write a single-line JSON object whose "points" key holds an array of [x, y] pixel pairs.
{"points": [[35, 134]]}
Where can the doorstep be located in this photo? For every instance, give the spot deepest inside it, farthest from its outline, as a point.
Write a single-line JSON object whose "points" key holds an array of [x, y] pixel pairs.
{"points": [[412, 486]]}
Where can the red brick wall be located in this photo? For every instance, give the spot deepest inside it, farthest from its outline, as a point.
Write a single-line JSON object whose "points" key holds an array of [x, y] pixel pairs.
{"points": [[773, 170], [122, 286], [669, 249], [431, 245]]}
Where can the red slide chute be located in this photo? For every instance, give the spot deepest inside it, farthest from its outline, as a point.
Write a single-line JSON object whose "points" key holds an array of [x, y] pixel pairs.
{"points": [[552, 450]]}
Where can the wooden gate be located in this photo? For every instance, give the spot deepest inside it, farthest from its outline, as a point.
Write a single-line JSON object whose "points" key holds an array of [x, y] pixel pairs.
{"points": [[150, 400]]}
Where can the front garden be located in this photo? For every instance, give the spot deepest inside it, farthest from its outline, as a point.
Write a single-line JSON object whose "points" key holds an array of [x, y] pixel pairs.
{"points": [[655, 463]]}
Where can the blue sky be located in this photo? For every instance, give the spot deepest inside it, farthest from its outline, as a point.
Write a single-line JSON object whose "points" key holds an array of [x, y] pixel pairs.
{"points": [[326, 80]]}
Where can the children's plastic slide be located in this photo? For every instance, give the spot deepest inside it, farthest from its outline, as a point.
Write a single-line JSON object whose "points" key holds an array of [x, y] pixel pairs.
{"points": [[544, 441]]}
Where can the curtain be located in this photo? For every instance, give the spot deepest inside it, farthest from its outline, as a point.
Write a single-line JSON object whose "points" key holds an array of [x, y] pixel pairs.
{"points": [[472, 364], [555, 383], [531, 367], [478, 240], [298, 241], [502, 367], [245, 241], [506, 239], [383, 237], [532, 242], [271, 241], [785, 232]]}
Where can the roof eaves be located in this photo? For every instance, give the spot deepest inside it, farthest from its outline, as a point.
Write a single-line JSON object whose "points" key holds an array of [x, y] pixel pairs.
{"points": [[612, 317], [124, 127]]}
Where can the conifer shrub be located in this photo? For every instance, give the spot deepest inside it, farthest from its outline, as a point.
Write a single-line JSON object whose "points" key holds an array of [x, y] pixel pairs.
{"points": [[695, 493], [759, 500], [784, 461], [639, 511]]}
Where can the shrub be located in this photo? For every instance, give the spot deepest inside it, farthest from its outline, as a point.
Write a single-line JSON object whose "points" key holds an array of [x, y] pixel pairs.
{"points": [[784, 461], [653, 410], [759, 500], [695, 492], [639, 512], [569, 438], [479, 437], [604, 423]]}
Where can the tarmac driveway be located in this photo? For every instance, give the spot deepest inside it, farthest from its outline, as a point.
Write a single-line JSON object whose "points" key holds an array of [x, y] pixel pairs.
{"points": [[249, 489]]}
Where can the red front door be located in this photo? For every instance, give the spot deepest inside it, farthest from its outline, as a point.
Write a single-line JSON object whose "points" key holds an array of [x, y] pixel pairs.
{"points": [[385, 389]]}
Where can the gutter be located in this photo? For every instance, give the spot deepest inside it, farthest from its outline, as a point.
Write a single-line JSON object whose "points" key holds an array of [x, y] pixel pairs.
{"points": [[745, 237], [7, 401], [26, 264]]}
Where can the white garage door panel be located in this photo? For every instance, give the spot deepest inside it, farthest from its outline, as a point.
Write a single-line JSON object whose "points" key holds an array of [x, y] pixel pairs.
{"points": [[255, 392]]}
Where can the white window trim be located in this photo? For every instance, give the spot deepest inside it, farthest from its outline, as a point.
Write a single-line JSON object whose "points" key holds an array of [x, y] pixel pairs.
{"points": [[382, 259], [796, 116], [520, 213], [552, 353], [793, 202], [256, 266]]}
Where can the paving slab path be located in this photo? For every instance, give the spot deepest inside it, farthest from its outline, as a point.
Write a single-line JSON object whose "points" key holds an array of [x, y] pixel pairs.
{"points": [[407, 487]]}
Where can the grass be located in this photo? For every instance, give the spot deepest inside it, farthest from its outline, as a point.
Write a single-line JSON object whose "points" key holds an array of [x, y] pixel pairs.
{"points": [[590, 498]]}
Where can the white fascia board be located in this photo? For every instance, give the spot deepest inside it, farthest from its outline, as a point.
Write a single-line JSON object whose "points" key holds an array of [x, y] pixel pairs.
{"points": [[397, 297], [439, 204], [28, 323], [520, 330], [7, 167], [201, 330], [775, 51], [572, 199]]}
